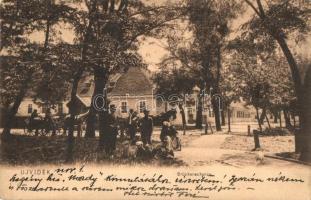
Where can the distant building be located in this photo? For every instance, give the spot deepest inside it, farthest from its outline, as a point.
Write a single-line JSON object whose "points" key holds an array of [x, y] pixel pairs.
{"points": [[28, 106], [130, 90], [135, 90]]}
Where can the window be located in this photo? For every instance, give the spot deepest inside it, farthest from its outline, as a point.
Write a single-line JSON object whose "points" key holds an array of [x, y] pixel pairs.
{"points": [[29, 108], [124, 107], [142, 106], [242, 114], [60, 108]]}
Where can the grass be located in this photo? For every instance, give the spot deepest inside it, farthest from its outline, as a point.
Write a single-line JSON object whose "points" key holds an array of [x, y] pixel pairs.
{"points": [[31, 150]]}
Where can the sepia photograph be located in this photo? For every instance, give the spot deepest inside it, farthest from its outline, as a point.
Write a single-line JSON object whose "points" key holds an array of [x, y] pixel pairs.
{"points": [[155, 99]]}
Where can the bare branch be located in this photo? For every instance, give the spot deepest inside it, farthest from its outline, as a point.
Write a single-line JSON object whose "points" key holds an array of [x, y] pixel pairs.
{"points": [[128, 44], [262, 12], [253, 7]]}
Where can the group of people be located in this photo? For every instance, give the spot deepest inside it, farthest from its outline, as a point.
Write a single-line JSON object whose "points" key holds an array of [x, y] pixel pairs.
{"points": [[143, 141], [134, 124], [144, 125], [139, 131]]}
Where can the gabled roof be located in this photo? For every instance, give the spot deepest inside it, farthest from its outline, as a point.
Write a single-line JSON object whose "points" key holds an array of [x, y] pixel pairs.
{"points": [[134, 82], [86, 84]]}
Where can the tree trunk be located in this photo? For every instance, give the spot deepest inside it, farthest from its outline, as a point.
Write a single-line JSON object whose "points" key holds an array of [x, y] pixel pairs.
{"points": [[199, 115], [229, 120], [305, 124], [73, 96], [183, 117], [223, 118], [300, 137], [258, 120], [216, 105], [98, 101], [262, 116], [280, 117], [268, 121], [216, 110]]}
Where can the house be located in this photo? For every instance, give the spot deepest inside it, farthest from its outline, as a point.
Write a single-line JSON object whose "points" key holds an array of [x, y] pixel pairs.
{"points": [[28, 106], [135, 90], [239, 111], [130, 90]]}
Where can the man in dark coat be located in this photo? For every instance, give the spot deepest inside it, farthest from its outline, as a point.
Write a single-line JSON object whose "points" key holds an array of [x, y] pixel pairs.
{"points": [[49, 122], [32, 118], [110, 143], [146, 128], [132, 125]]}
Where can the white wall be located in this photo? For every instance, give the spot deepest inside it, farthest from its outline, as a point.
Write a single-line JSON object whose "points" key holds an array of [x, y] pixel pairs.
{"points": [[23, 109], [133, 103]]}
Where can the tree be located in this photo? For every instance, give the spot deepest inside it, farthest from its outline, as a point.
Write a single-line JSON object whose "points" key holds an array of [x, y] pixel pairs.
{"points": [[229, 87], [182, 60], [108, 34], [174, 84], [20, 18], [210, 20], [274, 22], [16, 75]]}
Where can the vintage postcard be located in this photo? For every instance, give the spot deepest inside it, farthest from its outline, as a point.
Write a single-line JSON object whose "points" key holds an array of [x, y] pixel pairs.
{"points": [[155, 99]]}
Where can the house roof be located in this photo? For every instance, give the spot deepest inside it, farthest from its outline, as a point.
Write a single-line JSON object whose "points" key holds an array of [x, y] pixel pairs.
{"points": [[134, 82], [86, 84]]}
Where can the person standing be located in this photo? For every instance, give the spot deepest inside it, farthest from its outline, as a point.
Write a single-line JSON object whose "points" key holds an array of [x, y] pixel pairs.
{"points": [[132, 125], [32, 118], [49, 123], [146, 128], [110, 143]]}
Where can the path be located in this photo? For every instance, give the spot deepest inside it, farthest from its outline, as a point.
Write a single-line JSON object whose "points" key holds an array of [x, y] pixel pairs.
{"points": [[206, 150]]}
